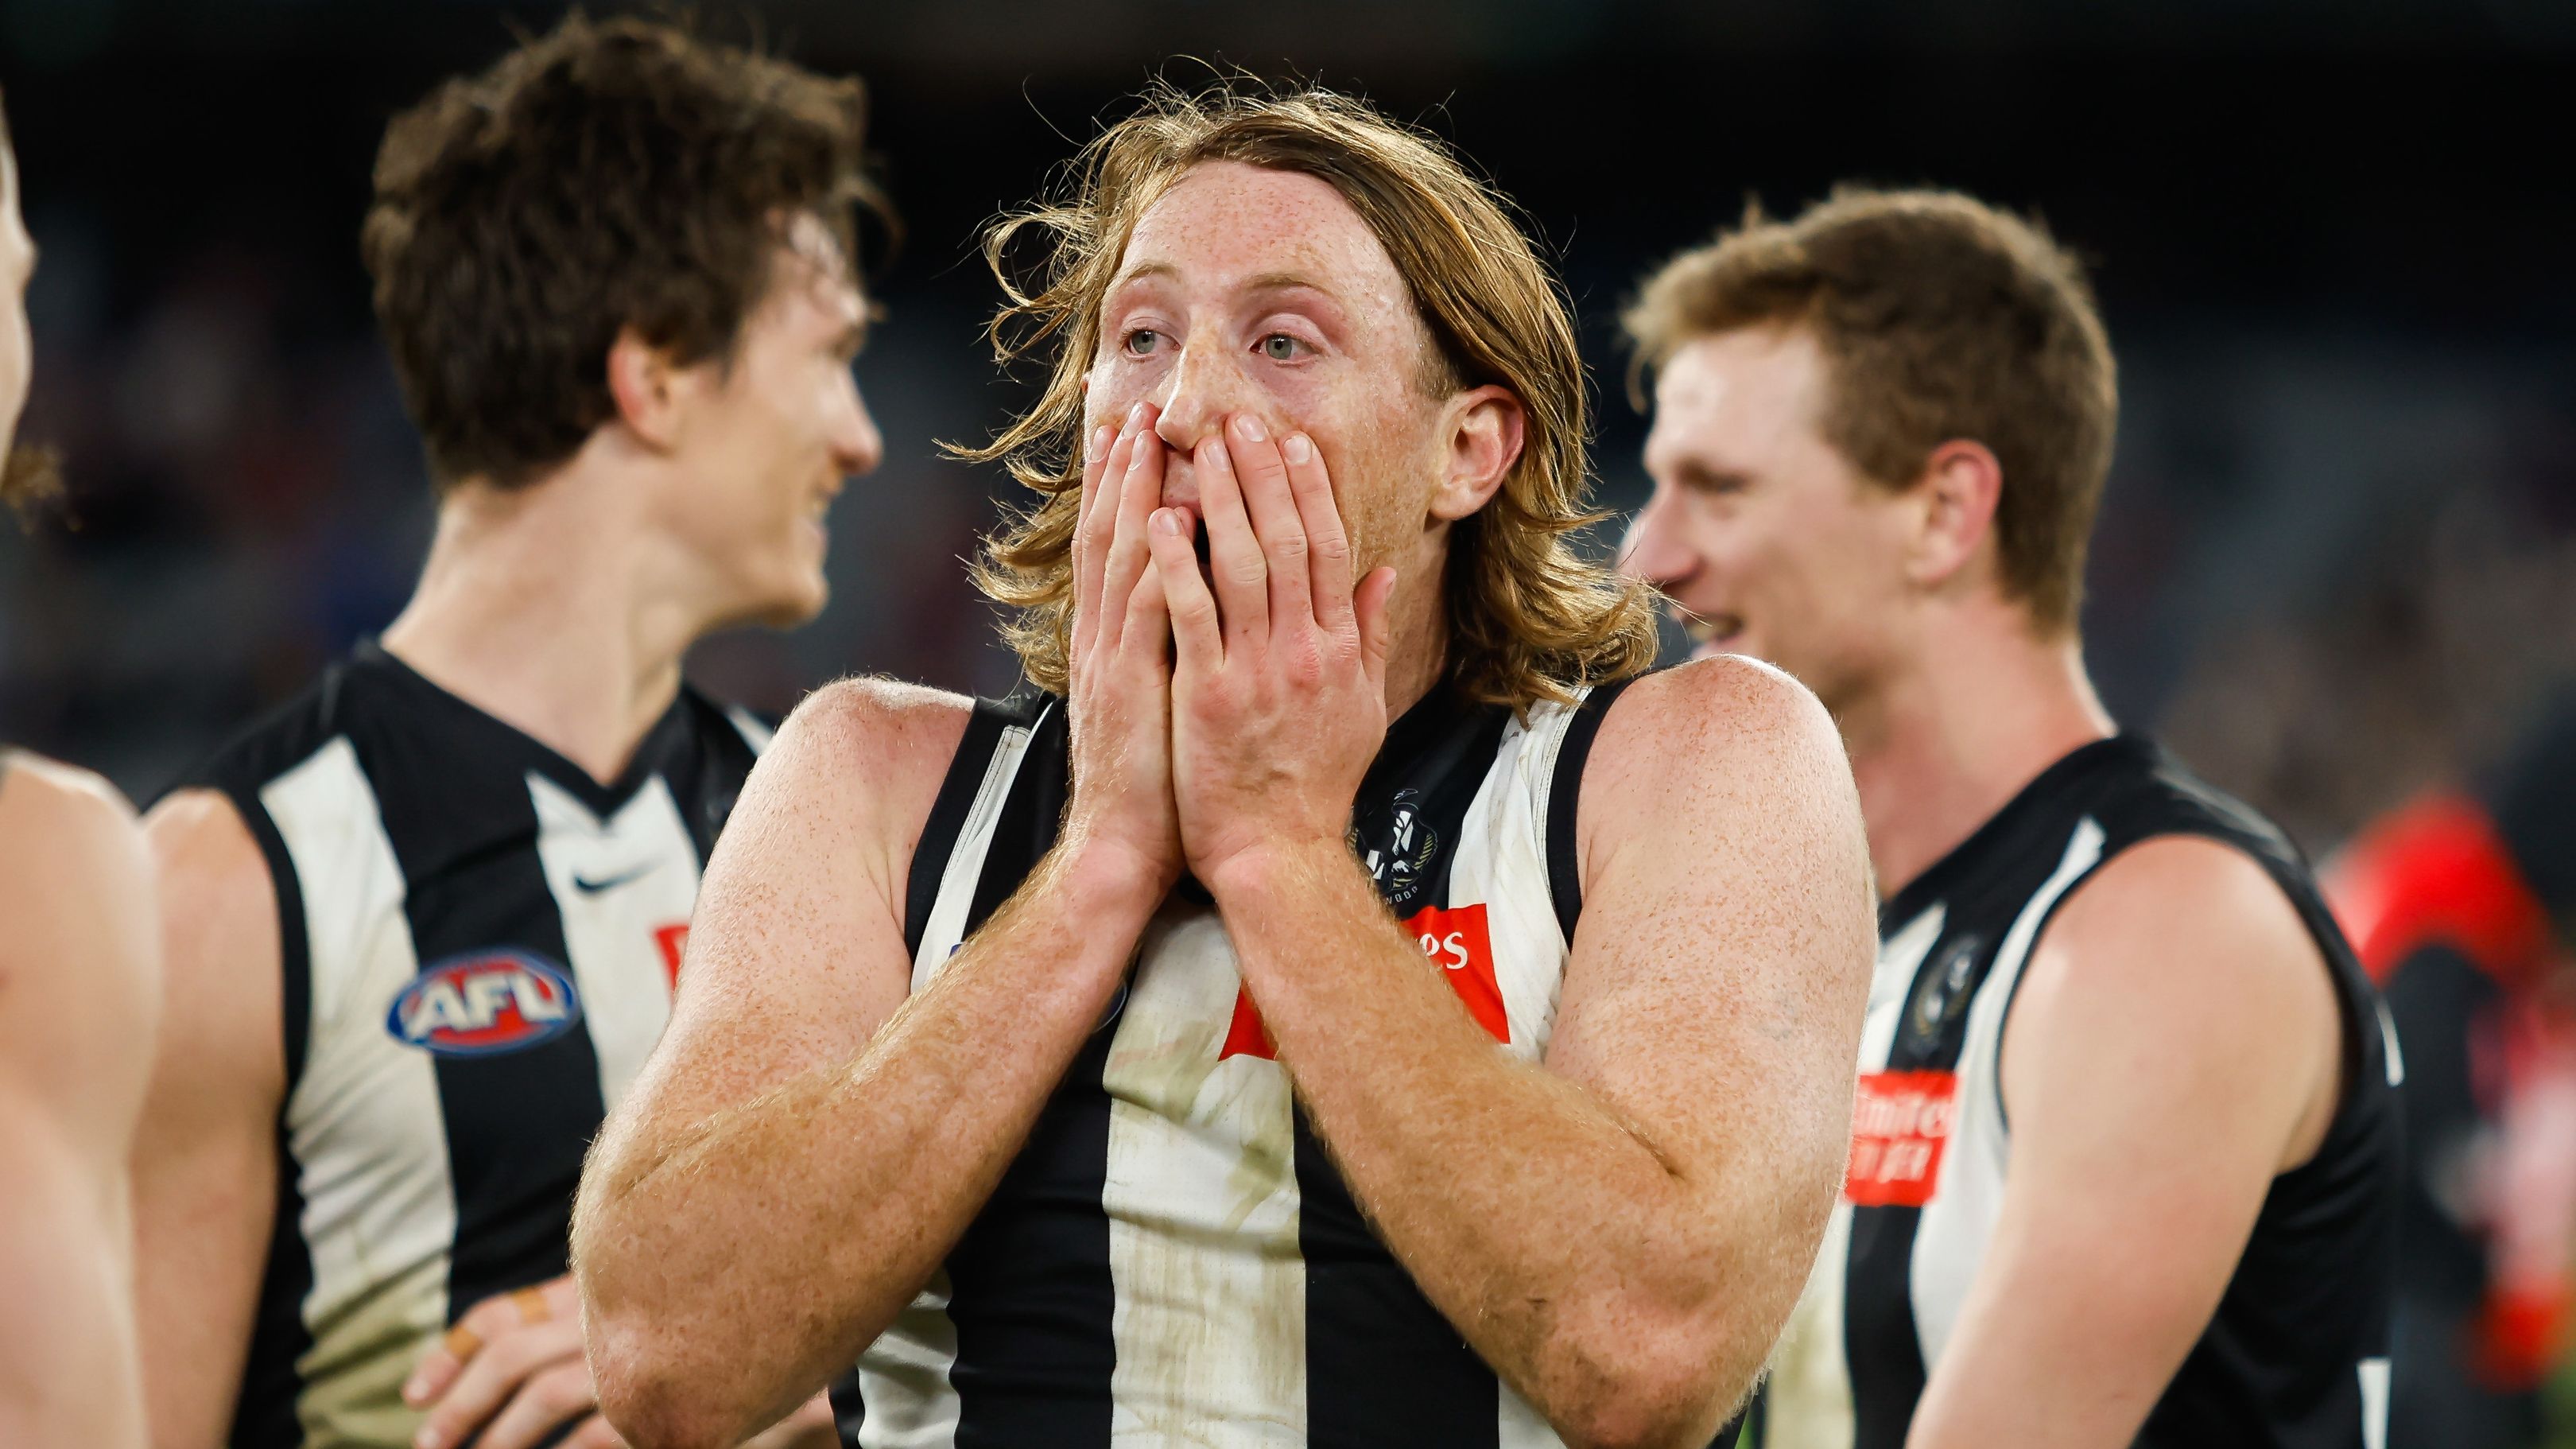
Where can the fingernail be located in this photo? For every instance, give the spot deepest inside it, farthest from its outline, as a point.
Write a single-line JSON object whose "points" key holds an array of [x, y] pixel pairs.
{"points": [[1250, 427], [1136, 415], [1216, 454], [1164, 521], [1296, 448], [427, 1438], [1100, 437]]}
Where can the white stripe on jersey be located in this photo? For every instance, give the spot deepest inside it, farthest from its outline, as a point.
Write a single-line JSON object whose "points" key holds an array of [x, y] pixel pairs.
{"points": [[1950, 1238], [748, 725], [1202, 1163], [2374, 1402], [624, 886], [1811, 1393], [365, 1122]]}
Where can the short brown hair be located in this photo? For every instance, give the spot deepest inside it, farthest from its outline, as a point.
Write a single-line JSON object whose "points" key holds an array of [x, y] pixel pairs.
{"points": [[1529, 619], [1940, 318], [603, 176]]}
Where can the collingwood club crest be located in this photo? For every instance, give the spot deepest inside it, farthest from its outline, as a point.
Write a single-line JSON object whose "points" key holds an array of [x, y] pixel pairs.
{"points": [[1398, 846]]}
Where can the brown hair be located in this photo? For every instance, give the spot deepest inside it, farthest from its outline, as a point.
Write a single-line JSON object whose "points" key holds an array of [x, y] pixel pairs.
{"points": [[1528, 618], [603, 176], [1940, 317]]}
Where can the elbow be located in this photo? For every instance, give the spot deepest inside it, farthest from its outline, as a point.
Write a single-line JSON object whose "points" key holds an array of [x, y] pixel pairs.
{"points": [[650, 1399], [1671, 1385]]}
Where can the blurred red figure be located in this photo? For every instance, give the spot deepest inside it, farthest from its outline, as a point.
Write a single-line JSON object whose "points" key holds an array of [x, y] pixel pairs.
{"points": [[2459, 903]]}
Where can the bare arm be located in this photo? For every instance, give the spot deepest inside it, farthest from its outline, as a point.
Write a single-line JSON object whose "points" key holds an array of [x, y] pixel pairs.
{"points": [[205, 1159], [799, 1089], [1622, 1233], [2175, 1045], [79, 998]]}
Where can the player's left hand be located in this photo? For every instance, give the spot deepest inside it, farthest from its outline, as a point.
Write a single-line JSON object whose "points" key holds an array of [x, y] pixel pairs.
{"points": [[1279, 656], [511, 1368]]}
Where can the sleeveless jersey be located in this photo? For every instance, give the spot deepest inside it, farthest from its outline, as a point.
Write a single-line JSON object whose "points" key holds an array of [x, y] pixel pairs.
{"points": [[478, 943], [1172, 1258], [2296, 1355]]}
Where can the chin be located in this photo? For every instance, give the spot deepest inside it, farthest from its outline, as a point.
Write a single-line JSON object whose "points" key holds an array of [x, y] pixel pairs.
{"points": [[793, 603]]}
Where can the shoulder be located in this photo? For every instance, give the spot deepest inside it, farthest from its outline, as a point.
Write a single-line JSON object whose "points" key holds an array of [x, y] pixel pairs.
{"points": [[1710, 735], [2190, 910], [74, 807], [80, 967], [883, 731], [68, 843], [2181, 950], [862, 753]]}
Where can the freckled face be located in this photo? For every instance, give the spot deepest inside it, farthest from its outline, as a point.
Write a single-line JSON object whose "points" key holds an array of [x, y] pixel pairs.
{"points": [[1249, 290]]}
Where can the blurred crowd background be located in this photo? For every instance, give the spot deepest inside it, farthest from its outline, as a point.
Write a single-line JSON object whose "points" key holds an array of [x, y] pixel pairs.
{"points": [[2333, 244]]}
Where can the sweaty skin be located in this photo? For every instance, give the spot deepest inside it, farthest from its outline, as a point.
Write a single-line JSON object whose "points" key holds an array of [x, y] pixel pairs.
{"points": [[2175, 1042], [79, 1002], [1619, 1233]]}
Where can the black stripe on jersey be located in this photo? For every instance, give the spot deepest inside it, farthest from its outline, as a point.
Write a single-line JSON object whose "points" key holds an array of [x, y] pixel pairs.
{"points": [[1564, 792], [948, 812], [471, 869], [264, 1408], [1382, 1365], [1030, 1291]]}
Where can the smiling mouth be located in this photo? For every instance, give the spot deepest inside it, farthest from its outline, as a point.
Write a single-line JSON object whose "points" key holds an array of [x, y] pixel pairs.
{"points": [[1714, 634]]}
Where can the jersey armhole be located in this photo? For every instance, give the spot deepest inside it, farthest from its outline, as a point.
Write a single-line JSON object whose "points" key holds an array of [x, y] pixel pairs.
{"points": [[294, 941], [1564, 795], [957, 791]]}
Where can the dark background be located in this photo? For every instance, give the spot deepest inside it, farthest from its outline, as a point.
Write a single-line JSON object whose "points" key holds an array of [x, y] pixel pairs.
{"points": [[2333, 247]]}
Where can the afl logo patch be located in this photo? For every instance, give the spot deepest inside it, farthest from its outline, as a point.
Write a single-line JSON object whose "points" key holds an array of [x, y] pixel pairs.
{"points": [[484, 1003]]}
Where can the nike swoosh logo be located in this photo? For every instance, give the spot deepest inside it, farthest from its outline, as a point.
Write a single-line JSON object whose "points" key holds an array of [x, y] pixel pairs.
{"points": [[590, 887]]}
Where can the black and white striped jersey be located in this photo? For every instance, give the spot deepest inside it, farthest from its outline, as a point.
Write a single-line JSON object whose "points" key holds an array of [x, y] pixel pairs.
{"points": [[2296, 1355], [1172, 1259], [479, 943]]}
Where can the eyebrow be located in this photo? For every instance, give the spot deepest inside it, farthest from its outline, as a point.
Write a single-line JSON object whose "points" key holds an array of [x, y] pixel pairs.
{"points": [[1265, 282]]}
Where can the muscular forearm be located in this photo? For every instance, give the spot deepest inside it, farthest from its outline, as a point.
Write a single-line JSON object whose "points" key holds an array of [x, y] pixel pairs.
{"points": [[1549, 1231], [730, 1266]]}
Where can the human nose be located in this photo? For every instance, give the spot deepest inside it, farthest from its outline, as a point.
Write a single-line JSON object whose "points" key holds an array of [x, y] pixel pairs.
{"points": [[1653, 549], [1202, 388], [857, 446]]}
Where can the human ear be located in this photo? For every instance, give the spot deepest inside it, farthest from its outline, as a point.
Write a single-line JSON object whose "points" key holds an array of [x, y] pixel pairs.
{"points": [[646, 387], [1958, 490], [1481, 435]]}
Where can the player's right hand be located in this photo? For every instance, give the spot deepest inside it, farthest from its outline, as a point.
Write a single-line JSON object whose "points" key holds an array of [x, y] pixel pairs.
{"points": [[510, 1375], [1119, 695]]}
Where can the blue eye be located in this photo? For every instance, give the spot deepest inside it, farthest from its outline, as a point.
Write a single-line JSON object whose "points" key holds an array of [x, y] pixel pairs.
{"points": [[1141, 342], [1280, 347]]}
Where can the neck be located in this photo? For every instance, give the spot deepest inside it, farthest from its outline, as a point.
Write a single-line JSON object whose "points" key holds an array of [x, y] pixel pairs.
{"points": [[555, 609], [1417, 648], [1958, 730]]}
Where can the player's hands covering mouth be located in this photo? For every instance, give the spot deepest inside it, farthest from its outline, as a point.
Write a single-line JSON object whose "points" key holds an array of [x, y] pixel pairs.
{"points": [[1118, 695], [1278, 692]]}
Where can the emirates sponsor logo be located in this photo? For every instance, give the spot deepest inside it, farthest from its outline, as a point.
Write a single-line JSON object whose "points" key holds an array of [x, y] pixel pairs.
{"points": [[1458, 942], [1900, 1123]]}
